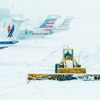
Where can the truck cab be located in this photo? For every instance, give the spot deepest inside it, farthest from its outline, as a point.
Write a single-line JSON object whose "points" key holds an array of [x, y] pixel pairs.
{"points": [[69, 63]]}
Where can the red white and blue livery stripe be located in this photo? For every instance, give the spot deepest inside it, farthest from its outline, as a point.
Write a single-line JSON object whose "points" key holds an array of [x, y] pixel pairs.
{"points": [[47, 26]]}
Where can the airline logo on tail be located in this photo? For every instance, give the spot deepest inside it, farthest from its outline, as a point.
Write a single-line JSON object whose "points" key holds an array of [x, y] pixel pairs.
{"points": [[65, 24], [47, 26], [9, 28], [11, 31], [48, 23]]}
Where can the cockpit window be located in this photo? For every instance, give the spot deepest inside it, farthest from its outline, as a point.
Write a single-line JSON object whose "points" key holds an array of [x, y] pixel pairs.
{"points": [[68, 53]]}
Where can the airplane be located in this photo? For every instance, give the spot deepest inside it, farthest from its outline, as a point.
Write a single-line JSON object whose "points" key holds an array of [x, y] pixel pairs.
{"points": [[9, 34], [64, 26], [46, 27]]}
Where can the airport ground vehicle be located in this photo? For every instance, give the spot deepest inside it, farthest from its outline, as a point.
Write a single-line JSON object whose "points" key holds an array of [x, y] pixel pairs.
{"points": [[68, 69]]}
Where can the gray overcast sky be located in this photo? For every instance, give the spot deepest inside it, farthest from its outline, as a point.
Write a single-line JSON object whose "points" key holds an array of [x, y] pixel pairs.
{"points": [[34, 8], [38, 10]]}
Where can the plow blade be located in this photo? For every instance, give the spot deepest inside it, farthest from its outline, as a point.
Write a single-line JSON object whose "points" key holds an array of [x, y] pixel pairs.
{"points": [[72, 70], [50, 77], [89, 77], [63, 77]]}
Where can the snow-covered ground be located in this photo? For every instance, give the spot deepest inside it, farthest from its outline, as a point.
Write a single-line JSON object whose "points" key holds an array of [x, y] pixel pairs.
{"points": [[39, 55]]}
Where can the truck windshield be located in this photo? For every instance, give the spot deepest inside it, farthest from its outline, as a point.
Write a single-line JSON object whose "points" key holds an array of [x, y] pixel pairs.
{"points": [[68, 53]]}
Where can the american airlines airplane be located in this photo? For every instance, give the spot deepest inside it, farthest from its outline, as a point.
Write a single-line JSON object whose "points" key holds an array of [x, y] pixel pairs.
{"points": [[64, 26], [47, 26], [10, 33]]}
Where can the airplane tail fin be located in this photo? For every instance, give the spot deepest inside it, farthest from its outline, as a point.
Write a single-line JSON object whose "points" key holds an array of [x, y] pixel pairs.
{"points": [[67, 21], [13, 28], [47, 26], [49, 22], [65, 24]]}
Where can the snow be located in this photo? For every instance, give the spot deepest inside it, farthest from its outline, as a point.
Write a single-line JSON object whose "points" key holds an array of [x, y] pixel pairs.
{"points": [[55, 90], [39, 55]]}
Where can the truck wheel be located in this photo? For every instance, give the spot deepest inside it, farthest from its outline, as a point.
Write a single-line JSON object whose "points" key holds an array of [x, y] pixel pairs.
{"points": [[56, 67]]}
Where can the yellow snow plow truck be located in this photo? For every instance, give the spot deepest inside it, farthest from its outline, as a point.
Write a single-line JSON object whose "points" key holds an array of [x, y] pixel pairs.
{"points": [[68, 69], [69, 63]]}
